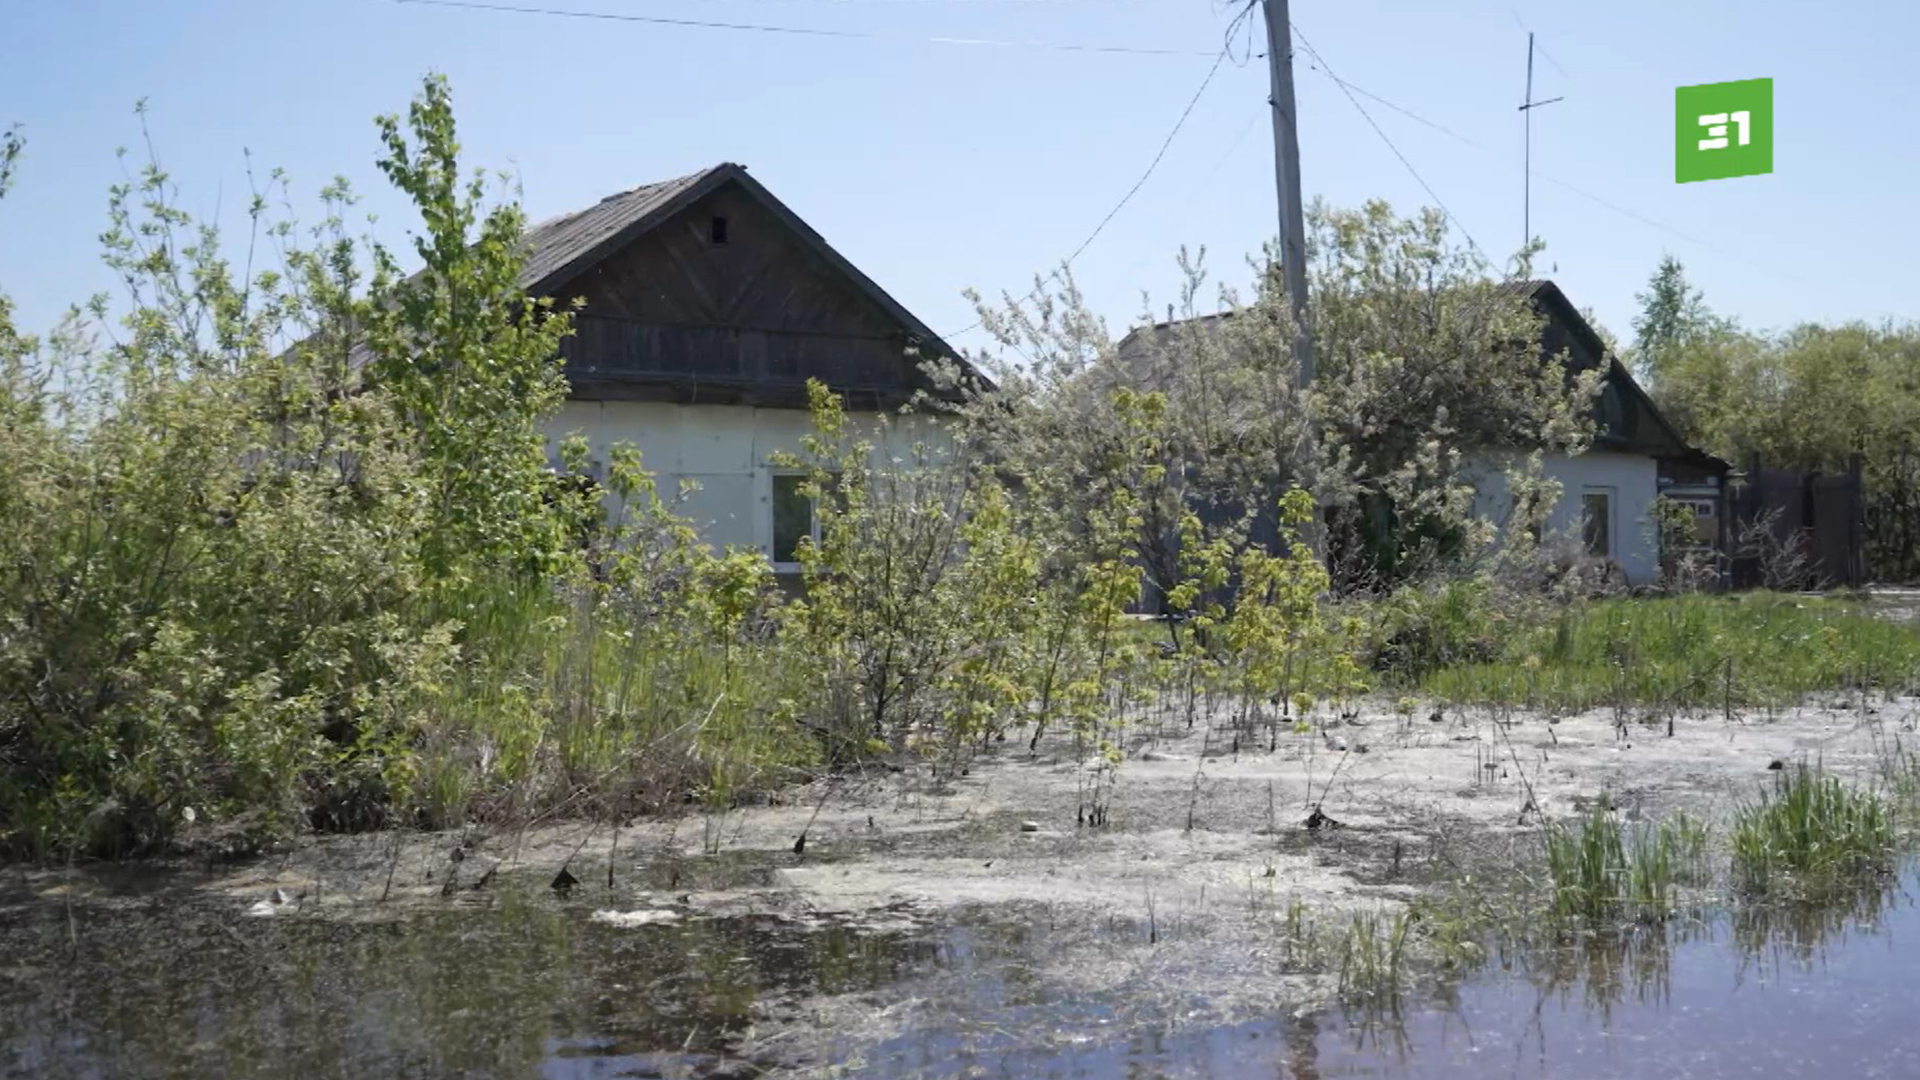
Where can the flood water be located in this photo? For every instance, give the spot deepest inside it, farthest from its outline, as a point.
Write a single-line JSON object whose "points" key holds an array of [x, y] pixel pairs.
{"points": [[531, 986]]}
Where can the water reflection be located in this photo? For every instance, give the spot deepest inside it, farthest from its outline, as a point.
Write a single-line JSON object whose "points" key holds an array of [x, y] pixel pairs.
{"points": [[1779, 990], [531, 987], [519, 988]]}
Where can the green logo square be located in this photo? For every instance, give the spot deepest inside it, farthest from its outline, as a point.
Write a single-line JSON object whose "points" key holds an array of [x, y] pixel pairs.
{"points": [[1723, 129]]}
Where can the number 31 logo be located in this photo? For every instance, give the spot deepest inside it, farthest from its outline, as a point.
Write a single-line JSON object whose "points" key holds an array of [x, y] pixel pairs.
{"points": [[1716, 125], [1723, 130]]}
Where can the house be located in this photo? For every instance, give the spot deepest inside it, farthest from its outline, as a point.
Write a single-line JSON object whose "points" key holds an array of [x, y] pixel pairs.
{"points": [[708, 305], [1608, 491]]}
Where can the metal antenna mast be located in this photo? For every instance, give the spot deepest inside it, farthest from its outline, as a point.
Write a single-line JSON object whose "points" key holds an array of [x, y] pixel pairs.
{"points": [[1526, 198]]}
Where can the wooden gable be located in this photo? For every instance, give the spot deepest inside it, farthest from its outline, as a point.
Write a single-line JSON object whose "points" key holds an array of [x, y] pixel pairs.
{"points": [[1627, 418], [729, 299]]}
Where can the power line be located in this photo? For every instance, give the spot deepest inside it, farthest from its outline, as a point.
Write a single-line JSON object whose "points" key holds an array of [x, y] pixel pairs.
{"points": [[1231, 147], [1377, 130], [1159, 154], [1494, 298], [1574, 189], [1409, 114], [909, 3], [798, 31], [1225, 50]]}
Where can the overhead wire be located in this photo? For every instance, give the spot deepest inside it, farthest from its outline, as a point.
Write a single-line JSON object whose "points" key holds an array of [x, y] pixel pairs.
{"points": [[1494, 298], [1229, 151], [1574, 189], [929, 3], [796, 31], [1241, 57], [1537, 47], [1226, 51], [1378, 130]]}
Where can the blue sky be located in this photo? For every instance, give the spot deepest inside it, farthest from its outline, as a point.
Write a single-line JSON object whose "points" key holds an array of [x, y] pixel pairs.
{"points": [[940, 166]]}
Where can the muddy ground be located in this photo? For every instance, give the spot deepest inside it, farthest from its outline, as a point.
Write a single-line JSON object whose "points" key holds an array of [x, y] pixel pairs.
{"points": [[1187, 907]]}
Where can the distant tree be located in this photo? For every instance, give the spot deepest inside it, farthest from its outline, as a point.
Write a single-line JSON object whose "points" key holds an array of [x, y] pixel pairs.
{"points": [[1814, 398], [1672, 312]]}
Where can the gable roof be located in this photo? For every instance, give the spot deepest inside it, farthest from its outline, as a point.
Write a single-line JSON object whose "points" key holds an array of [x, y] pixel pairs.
{"points": [[1554, 304], [1135, 351], [562, 248], [552, 247]]}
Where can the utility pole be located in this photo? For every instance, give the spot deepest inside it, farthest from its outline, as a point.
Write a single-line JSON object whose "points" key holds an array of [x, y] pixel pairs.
{"points": [[1286, 167], [1293, 246], [1526, 195]]}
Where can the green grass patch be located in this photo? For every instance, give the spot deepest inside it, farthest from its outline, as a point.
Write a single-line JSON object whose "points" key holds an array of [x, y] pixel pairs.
{"points": [[1755, 649], [1602, 870], [1810, 831]]}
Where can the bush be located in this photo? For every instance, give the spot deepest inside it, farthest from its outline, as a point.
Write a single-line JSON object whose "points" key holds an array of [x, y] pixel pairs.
{"points": [[1420, 629], [287, 551]]}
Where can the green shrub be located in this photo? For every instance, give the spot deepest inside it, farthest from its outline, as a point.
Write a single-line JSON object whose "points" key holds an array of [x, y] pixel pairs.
{"points": [[1421, 629], [286, 550]]}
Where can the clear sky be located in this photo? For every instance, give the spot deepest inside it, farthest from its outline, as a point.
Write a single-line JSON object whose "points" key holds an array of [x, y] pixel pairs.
{"points": [[936, 166]]}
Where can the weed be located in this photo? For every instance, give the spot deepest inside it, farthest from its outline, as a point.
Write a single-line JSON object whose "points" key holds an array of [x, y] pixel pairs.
{"points": [[1602, 870], [1810, 830], [1899, 770], [1690, 836], [1372, 955]]}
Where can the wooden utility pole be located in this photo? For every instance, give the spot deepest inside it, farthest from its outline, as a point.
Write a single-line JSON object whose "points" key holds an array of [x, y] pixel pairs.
{"points": [[1293, 245], [1286, 168], [1526, 181]]}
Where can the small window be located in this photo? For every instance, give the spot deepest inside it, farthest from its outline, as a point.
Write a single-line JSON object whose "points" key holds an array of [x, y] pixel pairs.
{"points": [[1596, 523], [717, 230], [1706, 523], [794, 518]]}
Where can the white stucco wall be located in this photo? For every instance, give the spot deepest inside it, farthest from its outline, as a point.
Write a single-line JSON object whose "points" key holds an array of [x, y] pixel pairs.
{"points": [[1631, 479], [724, 449]]}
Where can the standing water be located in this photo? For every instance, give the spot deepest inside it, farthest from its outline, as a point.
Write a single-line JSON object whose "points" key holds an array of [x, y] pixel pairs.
{"points": [[534, 986]]}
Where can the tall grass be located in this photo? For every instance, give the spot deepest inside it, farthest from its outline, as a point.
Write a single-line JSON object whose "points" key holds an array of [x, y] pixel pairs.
{"points": [[591, 703], [1755, 649], [1372, 955], [1603, 870], [1899, 774], [1810, 831]]}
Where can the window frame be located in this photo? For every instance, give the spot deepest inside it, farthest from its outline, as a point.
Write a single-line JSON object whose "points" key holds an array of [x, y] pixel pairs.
{"points": [[1609, 496], [812, 531]]}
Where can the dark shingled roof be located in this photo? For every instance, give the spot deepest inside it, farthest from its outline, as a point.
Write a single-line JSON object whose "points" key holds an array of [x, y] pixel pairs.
{"points": [[554, 245], [1135, 351], [562, 248]]}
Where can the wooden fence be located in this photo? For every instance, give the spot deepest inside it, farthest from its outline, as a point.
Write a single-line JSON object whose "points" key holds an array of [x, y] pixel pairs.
{"points": [[1792, 529]]}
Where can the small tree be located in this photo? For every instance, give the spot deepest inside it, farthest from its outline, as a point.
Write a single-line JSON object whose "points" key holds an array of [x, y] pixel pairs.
{"points": [[471, 363]]}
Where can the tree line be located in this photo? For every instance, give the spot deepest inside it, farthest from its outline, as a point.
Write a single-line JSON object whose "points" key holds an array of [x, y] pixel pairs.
{"points": [[1813, 397]]}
